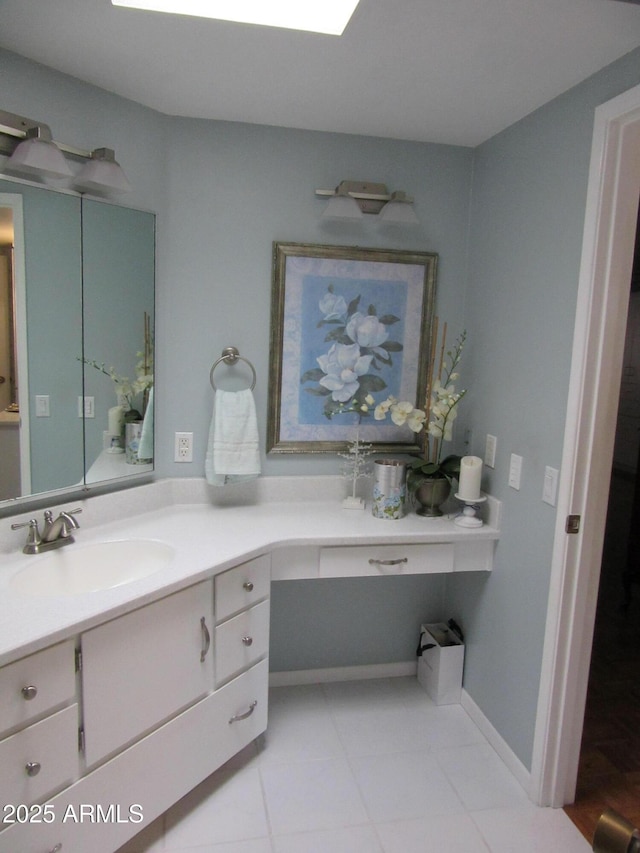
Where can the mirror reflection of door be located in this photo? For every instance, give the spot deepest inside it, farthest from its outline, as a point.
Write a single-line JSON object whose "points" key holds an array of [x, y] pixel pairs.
{"points": [[9, 416]]}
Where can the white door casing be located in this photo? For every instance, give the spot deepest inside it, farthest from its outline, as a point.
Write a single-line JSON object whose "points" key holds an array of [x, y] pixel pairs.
{"points": [[598, 346]]}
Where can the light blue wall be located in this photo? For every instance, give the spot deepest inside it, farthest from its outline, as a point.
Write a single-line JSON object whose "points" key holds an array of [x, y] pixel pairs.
{"points": [[233, 190], [224, 192], [527, 216]]}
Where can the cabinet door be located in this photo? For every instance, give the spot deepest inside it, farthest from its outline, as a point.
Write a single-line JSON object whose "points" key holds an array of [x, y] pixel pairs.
{"points": [[142, 668]]}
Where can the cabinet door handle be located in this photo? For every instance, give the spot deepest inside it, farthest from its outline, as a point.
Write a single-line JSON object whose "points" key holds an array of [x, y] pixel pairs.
{"points": [[206, 639], [56, 849], [248, 586], [237, 717], [397, 562], [29, 692], [248, 641], [32, 768]]}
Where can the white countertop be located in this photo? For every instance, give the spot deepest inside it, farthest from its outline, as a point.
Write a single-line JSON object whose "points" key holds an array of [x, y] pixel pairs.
{"points": [[210, 531]]}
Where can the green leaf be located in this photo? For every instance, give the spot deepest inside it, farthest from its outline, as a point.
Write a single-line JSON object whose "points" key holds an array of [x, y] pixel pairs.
{"points": [[389, 319], [371, 311], [353, 306], [313, 375], [371, 383], [318, 392], [339, 335], [392, 346]]}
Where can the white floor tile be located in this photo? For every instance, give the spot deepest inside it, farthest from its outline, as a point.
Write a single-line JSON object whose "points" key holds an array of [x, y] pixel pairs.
{"points": [[401, 786], [226, 807], [354, 839], [361, 767], [456, 834], [530, 830], [312, 795], [480, 778]]}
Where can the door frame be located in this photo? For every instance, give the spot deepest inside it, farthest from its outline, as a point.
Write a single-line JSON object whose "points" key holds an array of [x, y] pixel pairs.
{"points": [[597, 357]]}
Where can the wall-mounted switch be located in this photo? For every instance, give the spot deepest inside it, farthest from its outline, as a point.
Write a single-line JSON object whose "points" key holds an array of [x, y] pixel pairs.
{"points": [[515, 471], [86, 407], [42, 406], [490, 451], [183, 448], [550, 487]]}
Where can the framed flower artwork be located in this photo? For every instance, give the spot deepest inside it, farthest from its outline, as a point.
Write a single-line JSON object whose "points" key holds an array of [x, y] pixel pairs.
{"points": [[349, 327]]}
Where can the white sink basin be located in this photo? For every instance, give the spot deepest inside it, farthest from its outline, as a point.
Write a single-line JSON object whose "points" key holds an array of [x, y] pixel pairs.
{"points": [[75, 569]]}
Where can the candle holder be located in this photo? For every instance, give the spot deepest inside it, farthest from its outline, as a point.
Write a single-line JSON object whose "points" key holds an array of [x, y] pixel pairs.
{"points": [[468, 518]]}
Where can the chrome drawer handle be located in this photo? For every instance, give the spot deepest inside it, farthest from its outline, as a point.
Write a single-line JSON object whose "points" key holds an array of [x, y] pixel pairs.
{"points": [[56, 849], [246, 714], [248, 641], [206, 639], [373, 562], [32, 768], [248, 586], [29, 692]]}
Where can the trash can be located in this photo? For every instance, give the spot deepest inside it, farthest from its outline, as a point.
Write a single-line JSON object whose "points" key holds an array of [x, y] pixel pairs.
{"points": [[440, 661]]}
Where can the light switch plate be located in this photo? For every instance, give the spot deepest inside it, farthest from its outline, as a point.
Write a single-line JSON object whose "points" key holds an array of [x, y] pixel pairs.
{"points": [[490, 451], [550, 487], [42, 406], [515, 471]]}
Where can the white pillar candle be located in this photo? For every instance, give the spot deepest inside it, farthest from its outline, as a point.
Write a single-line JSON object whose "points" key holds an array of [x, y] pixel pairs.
{"points": [[470, 474], [115, 420]]}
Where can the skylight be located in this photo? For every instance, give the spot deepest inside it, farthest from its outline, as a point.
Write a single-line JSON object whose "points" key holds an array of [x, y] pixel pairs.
{"points": [[318, 16]]}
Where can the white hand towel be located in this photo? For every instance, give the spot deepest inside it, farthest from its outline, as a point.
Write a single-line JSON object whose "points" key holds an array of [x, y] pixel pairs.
{"points": [[233, 453]]}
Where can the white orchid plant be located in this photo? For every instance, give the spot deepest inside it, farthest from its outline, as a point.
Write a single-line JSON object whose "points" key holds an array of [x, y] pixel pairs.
{"points": [[439, 414]]}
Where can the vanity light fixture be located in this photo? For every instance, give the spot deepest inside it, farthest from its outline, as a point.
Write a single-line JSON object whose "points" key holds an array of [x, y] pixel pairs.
{"points": [[329, 17], [32, 153], [351, 199]]}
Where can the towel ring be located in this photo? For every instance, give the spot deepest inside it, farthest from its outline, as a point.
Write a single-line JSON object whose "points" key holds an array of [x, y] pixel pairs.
{"points": [[229, 356]]}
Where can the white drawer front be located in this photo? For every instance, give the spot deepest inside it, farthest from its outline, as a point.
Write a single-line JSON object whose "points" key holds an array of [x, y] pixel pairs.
{"points": [[33, 685], [241, 587], [359, 560], [49, 749], [241, 641]]}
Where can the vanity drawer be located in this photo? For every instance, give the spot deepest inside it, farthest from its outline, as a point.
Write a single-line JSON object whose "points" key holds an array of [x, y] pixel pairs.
{"points": [[241, 641], [53, 745], [359, 560], [34, 685], [241, 587]]}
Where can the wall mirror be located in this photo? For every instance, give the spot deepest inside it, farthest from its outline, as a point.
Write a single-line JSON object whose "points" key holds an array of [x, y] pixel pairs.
{"points": [[76, 341]]}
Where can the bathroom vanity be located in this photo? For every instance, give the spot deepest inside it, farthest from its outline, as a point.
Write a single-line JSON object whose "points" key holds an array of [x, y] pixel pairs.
{"points": [[115, 703]]}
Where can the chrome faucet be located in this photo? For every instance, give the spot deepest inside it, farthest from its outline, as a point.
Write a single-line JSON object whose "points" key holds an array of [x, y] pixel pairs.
{"points": [[55, 534]]}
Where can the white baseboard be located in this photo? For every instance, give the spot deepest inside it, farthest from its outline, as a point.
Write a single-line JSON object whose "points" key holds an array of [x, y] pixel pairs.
{"points": [[496, 740], [342, 673]]}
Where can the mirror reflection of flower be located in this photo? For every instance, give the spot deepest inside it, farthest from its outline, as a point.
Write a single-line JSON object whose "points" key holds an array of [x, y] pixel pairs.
{"points": [[127, 390]]}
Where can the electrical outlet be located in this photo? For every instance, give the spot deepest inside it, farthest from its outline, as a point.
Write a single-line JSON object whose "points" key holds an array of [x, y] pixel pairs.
{"points": [[183, 448], [490, 451]]}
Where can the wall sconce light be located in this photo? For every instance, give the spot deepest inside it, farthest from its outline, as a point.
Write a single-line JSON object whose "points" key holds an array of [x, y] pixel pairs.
{"points": [[352, 199], [32, 153]]}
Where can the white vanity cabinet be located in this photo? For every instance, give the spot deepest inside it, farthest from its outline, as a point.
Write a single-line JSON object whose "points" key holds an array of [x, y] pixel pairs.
{"points": [[38, 728], [156, 718], [144, 667]]}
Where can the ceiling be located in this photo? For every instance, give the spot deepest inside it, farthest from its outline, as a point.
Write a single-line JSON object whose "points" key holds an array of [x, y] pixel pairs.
{"points": [[449, 71]]}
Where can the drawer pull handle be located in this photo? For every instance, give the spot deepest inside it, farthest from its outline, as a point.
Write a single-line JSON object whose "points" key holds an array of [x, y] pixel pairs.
{"points": [[206, 639], [56, 849], [248, 641], [238, 717], [29, 692], [397, 562], [248, 586], [32, 768]]}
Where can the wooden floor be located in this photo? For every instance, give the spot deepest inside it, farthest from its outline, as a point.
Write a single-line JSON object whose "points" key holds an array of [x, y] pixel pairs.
{"points": [[609, 773]]}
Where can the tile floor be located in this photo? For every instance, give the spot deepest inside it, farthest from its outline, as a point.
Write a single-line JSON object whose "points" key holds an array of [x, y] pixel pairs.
{"points": [[361, 767]]}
